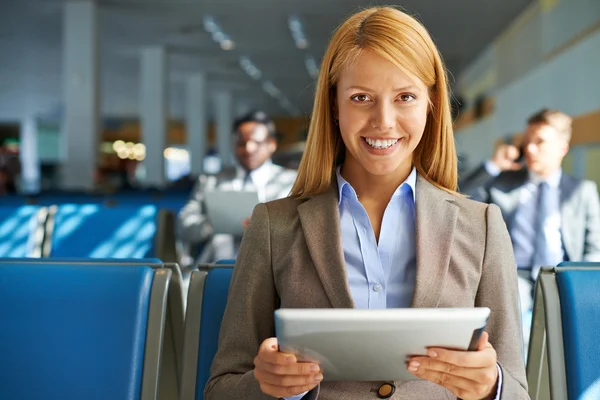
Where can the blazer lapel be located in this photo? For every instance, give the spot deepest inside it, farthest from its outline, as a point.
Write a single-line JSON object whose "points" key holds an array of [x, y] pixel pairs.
{"points": [[436, 216], [320, 220], [567, 189]]}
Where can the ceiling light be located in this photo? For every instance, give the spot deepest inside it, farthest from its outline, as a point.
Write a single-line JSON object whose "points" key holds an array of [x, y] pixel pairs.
{"points": [[311, 67], [227, 44], [297, 31], [210, 25], [271, 89]]}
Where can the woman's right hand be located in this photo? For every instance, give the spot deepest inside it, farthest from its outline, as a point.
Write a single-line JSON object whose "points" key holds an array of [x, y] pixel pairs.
{"points": [[281, 374]]}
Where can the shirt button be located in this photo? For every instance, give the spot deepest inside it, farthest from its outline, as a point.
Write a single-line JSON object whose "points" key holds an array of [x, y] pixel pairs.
{"points": [[377, 287]]}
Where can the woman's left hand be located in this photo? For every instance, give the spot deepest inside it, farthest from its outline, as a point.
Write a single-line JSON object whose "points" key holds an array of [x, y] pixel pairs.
{"points": [[470, 375]]}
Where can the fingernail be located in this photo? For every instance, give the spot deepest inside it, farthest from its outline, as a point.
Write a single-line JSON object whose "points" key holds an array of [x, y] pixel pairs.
{"points": [[432, 354], [318, 378], [315, 368], [414, 366]]}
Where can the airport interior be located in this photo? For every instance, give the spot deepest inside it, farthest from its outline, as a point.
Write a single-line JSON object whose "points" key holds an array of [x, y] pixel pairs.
{"points": [[299, 199]]}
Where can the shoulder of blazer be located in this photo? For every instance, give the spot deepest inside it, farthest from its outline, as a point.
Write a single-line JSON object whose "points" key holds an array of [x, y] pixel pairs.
{"points": [[285, 208]]}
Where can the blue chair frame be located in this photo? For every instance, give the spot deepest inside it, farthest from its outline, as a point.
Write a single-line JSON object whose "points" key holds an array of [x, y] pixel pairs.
{"points": [[154, 334], [207, 299]]}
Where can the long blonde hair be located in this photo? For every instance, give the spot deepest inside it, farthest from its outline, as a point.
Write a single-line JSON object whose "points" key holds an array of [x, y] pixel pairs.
{"points": [[402, 40]]}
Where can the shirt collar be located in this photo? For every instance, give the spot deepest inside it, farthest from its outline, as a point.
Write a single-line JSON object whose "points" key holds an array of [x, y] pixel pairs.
{"points": [[345, 187], [553, 180], [261, 173]]}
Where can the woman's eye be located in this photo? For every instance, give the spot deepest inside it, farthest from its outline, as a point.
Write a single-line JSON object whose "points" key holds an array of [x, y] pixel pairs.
{"points": [[407, 98], [361, 98]]}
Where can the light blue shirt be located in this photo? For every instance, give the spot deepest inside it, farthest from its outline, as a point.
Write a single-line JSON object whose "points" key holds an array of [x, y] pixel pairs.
{"points": [[524, 230], [381, 275]]}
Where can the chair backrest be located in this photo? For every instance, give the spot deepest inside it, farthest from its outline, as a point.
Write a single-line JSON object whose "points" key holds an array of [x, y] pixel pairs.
{"points": [[21, 230], [562, 361], [207, 298], [81, 331], [580, 308], [95, 231]]}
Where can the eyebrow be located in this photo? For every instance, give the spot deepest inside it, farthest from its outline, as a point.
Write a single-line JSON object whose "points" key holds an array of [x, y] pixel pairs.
{"points": [[366, 89]]}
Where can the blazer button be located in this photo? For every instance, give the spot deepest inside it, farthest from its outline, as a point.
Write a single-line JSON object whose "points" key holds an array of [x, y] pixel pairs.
{"points": [[386, 391]]}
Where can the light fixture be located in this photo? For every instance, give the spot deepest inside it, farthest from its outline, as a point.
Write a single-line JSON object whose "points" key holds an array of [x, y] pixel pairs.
{"points": [[270, 88], [311, 66], [217, 34], [297, 32], [249, 67]]}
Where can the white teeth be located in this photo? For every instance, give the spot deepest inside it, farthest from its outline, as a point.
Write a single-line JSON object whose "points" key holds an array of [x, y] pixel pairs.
{"points": [[381, 144]]}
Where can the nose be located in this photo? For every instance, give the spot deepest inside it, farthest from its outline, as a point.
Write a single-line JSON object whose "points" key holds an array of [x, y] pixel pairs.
{"points": [[250, 146], [531, 148], [384, 117]]}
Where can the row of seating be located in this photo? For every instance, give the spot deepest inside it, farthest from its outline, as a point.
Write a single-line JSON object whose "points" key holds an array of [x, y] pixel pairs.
{"points": [[87, 231], [99, 329], [107, 329], [563, 360], [172, 200]]}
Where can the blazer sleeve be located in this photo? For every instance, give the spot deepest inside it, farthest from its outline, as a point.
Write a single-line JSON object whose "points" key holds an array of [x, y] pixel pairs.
{"points": [[248, 318], [192, 223], [591, 250], [498, 291], [476, 184]]}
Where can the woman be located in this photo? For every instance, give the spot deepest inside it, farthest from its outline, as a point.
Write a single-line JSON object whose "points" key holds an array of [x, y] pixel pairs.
{"points": [[374, 221]]}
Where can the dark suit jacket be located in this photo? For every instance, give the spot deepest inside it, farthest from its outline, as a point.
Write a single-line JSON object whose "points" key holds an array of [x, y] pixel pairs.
{"points": [[579, 207], [292, 256]]}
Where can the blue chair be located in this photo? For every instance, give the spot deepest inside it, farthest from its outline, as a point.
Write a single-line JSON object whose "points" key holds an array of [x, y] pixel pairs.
{"points": [[73, 332], [171, 356], [207, 298], [95, 231], [563, 361], [21, 230]]}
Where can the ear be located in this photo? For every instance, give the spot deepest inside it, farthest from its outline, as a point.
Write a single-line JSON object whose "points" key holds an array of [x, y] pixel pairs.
{"points": [[272, 144], [565, 148]]}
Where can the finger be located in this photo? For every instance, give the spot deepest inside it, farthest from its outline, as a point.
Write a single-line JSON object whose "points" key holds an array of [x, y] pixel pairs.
{"points": [[477, 392], [484, 341], [485, 376], [301, 368], [516, 166], [471, 359], [269, 352], [287, 380], [449, 381], [279, 391]]}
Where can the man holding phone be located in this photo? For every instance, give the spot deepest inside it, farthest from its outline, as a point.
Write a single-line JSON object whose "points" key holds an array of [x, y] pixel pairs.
{"points": [[551, 216]]}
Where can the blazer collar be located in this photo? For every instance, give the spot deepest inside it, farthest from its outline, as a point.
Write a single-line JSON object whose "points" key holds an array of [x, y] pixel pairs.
{"points": [[320, 219], [436, 216]]}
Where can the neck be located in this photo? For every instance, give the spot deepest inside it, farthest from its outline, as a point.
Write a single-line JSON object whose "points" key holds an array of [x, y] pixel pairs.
{"points": [[547, 173], [375, 187]]}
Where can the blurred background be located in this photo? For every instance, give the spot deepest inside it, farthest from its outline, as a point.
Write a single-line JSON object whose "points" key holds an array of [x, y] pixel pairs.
{"points": [[117, 94]]}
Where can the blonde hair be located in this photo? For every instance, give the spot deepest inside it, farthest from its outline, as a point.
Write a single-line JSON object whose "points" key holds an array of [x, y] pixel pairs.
{"points": [[402, 40], [556, 119]]}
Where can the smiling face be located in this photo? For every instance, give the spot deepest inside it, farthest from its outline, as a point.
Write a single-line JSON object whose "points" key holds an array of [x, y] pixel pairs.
{"points": [[382, 114], [545, 149]]}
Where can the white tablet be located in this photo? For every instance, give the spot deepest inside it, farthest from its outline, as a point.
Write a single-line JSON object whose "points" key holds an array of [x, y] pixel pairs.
{"points": [[374, 345], [227, 209]]}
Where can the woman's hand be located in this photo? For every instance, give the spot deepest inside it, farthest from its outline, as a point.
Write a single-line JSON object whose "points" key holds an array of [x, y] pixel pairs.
{"points": [[280, 374], [470, 375]]}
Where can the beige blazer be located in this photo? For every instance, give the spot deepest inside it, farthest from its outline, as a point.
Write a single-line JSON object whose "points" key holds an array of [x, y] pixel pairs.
{"points": [[292, 256]]}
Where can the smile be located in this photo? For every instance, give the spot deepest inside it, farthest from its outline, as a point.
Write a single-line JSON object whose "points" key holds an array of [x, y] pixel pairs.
{"points": [[381, 144]]}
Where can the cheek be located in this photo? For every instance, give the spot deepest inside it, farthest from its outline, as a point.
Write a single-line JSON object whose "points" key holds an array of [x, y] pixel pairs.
{"points": [[413, 121]]}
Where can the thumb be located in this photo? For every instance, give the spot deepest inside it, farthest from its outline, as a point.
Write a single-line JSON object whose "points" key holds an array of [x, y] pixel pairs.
{"points": [[483, 341], [270, 344]]}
